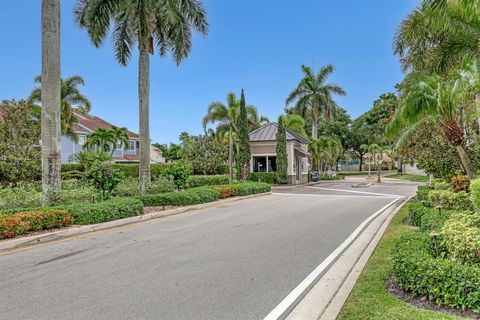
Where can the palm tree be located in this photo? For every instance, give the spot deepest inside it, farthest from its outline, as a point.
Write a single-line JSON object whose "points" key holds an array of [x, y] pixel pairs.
{"points": [[295, 123], [71, 100], [436, 98], [120, 135], [370, 149], [314, 97], [377, 153], [50, 96], [165, 24], [101, 140]]}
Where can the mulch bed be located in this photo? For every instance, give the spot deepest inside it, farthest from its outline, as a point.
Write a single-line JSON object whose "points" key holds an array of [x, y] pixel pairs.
{"points": [[422, 301]]}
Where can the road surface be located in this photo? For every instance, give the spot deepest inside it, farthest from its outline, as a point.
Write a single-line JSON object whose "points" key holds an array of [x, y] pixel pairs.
{"points": [[233, 261]]}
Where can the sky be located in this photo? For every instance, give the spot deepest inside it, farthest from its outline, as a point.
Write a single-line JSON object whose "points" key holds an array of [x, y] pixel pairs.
{"points": [[257, 45]]}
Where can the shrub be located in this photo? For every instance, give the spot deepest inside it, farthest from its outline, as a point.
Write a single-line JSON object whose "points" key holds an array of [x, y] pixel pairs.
{"points": [[104, 178], [267, 177], [181, 198], [450, 200], [433, 219], [460, 183], [332, 178], [201, 181], [248, 188], [442, 280], [113, 209], [461, 236], [19, 197], [161, 185], [15, 224], [422, 195], [131, 187], [415, 212], [475, 192], [439, 184]]}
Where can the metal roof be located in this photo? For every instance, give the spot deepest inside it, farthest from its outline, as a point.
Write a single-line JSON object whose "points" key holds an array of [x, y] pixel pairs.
{"points": [[269, 133]]}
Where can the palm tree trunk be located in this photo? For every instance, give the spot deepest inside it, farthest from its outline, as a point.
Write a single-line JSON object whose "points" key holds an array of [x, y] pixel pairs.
{"points": [[314, 129], [465, 159], [230, 155], [50, 95], [144, 99]]}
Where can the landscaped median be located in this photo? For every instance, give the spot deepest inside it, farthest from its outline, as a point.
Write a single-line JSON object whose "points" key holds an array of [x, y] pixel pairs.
{"points": [[19, 221], [427, 265]]}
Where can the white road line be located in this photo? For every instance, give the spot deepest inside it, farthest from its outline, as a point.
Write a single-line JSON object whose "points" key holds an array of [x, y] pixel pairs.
{"points": [[327, 195], [353, 191], [294, 297]]}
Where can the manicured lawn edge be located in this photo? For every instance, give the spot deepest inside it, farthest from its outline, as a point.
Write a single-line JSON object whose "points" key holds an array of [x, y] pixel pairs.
{"points": [[369, 299]]}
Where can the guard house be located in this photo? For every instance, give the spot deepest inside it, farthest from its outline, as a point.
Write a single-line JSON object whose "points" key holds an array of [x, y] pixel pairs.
{"points": [[263, 144]]}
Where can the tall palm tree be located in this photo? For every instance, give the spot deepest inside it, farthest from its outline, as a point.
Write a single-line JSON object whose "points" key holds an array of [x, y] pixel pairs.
{"points": [[101, 140], [439, 99], [370, 149], [71, 100], [226, 118], [314, 97], [165, 24], [50, 96]]}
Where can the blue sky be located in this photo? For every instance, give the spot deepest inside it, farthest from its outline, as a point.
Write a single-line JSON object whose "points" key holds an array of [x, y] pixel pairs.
{"points": [[257, 45]]}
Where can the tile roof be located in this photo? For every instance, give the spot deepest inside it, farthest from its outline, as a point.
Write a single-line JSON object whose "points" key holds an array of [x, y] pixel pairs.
{"points": [[92, 123], [269, 133]]}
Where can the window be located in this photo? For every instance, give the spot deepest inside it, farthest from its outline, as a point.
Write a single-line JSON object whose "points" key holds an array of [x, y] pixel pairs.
{"points": [[81, 140], [131, 145], [265, 164], [119, 145]]}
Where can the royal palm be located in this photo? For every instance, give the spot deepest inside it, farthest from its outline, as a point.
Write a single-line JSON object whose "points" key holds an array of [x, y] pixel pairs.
{"points": [[143, 25]]}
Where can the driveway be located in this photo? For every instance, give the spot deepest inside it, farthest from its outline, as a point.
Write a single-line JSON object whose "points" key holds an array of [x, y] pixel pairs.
{"points": [[234, 261]]}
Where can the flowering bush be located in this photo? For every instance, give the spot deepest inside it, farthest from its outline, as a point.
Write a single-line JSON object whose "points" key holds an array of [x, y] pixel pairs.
{"points": [[15, 224]]}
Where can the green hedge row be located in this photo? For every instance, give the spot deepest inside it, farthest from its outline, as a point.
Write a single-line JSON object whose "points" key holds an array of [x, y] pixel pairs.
{"points": [[203, 194], [267, 177], [428, 219], [202, 181], [444, 281], [461, 236]]}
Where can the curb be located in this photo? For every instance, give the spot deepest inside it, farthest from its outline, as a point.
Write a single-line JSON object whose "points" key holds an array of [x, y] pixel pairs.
{"points": [[61, 234], [326, 299]]}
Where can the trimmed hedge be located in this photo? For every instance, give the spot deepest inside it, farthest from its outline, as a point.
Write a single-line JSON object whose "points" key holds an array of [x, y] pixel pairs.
{"points": [[450, 200], [15, 224], [248, 188], [201, 181], [428, 219], [415, 212], [267, 177], [422, 195], [461, 236], [443, 281], [113, 209]]}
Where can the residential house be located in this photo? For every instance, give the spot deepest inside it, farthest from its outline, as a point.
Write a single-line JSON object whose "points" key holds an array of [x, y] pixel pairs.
{"points": [[263, 144], [121, 154]]}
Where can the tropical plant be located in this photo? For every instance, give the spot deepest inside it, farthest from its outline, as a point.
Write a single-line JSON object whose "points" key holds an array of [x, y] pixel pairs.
{"points": [[281, 152], [101, 139], [120, 135], [87, 158], [370, 150], [329, 150], [439, 99], [71, 100], [51, 96], [244, 153], [295, 123], [313, 97], [104, 177], [145, 24]]}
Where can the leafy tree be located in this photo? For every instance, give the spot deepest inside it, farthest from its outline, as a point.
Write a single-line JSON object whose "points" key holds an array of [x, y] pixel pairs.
{"points": [[171, 152], [205, 153], [104, 177], [101, 140], [20, 152], [295, 123], [281, 151], [71, 100], [313, 97], [243, 157], [51, 96], [145, 24]]}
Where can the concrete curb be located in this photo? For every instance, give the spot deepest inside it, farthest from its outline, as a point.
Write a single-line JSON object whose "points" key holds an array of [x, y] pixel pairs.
{"points": [[327, 297], [61, 234]]}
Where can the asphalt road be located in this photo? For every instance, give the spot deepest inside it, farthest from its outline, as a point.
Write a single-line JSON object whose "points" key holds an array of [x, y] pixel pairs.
{"points": [[235, 261]]}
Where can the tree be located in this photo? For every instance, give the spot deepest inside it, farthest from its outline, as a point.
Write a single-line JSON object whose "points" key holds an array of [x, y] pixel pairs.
{"points": [[71, 100], [100, 140], [281, 151], [51, 96], [205, 153], [438, 98], [168, 25], [171, 152], [244, 154], [20, 153], [295, 123], [120, 136], [313, 97]]}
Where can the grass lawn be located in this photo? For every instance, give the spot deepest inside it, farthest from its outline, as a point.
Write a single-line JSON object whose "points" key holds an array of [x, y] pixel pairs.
{"points": [[369, 298], [410, 177]]}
